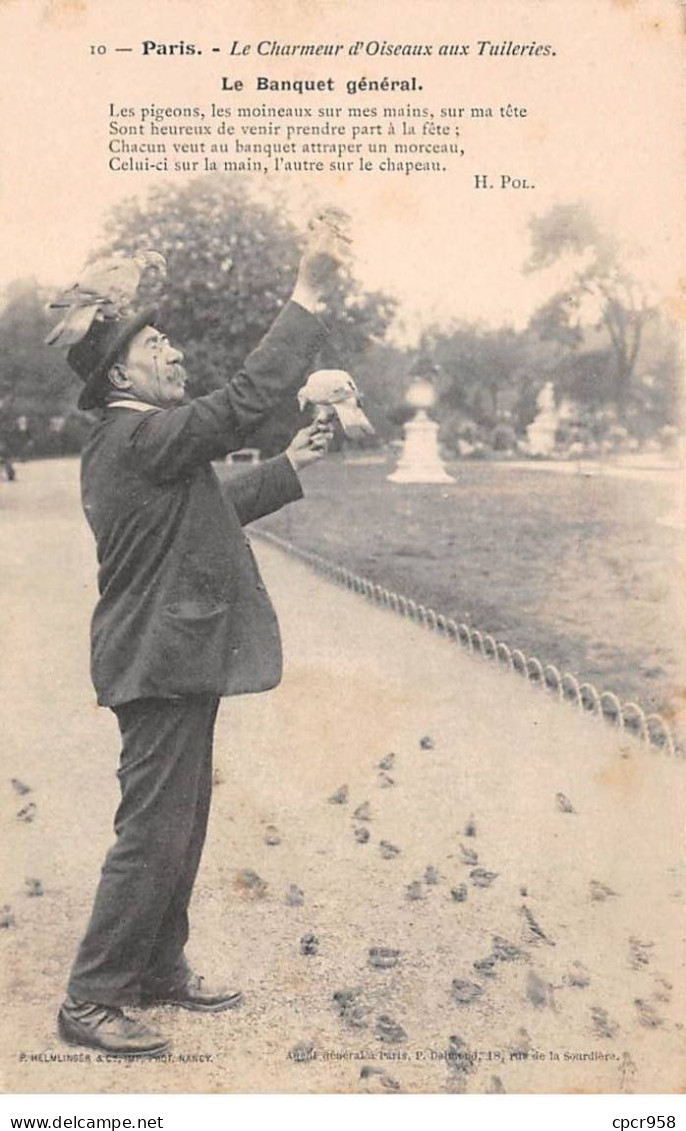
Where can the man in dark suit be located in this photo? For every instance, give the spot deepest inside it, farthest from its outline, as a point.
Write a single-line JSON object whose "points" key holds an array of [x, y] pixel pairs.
{"points": [[183, 618]]}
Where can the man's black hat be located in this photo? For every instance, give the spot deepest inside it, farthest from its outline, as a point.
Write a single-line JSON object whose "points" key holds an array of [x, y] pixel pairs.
{"points": [[105, 343]]}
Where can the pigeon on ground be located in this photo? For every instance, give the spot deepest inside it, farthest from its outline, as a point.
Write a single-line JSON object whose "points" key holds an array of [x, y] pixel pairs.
{"points": [[600, 892], [388, 1030], [105, 290], [468, 856], [414, 890], [271, 836], [486, 966], [537, 991], [350, 1009], [564, 804], [647, 1014], [309, 944], [250, 884], [20, 787], [426, 742], [460, 1060], [464, 993], [294, 897], [470, 827], [332, 392], [431, 875], [639, 952], [459, 894], [6, 917], [482, 878], [628, 1071], [383, 957], [505, 951], [534, 931], [664, 990], [387, 762], [363, 812], [385, 781], [522, 1045], [577, 977], [27, 813], [388, 850], [361, 834], [303, 1051], [603, 1025], [340, 797], [34, 887], [378, 1080]]}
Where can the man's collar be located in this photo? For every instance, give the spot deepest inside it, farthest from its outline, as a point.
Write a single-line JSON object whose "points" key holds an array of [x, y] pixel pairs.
{"points": [[138, 406]]}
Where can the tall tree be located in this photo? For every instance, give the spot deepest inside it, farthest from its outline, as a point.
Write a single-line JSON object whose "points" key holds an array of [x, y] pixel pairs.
{"points": [[478, 368], [38, 391], [34, 379], [602, 294]]}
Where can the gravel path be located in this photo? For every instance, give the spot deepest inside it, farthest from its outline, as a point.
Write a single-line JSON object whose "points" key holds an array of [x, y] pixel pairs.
{"points": [[496, 907]]}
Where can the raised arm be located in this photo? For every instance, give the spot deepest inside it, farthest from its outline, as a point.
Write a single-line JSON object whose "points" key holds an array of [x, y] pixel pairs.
{"points": [[168, 443]]}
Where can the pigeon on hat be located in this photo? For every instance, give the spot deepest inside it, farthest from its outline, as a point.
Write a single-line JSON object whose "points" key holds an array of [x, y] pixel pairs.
{"points": [[99, 319]]}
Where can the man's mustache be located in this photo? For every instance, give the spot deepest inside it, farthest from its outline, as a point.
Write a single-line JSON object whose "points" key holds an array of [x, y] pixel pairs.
{"points": [[178, 370]]}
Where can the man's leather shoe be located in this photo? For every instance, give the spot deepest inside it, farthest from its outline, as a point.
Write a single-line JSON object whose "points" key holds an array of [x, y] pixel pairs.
{"points": [[107, 1028], [194, 992]]}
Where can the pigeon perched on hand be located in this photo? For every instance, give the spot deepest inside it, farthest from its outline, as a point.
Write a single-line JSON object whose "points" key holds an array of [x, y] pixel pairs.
{"points": [[105, 290], [333, 392], [336, 219]]}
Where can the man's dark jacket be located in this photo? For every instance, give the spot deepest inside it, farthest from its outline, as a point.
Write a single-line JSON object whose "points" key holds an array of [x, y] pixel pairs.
{"points": [[182, 607]]}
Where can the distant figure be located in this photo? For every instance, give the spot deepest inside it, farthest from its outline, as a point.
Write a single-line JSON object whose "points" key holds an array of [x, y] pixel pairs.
{"points": [[6, 462]]}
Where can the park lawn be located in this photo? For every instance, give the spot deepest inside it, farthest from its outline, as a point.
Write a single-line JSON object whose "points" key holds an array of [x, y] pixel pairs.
{"points": [[573, 569]]}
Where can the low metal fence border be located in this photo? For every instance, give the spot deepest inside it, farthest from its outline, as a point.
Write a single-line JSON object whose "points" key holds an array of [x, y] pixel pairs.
{"points": [[651, 729]]}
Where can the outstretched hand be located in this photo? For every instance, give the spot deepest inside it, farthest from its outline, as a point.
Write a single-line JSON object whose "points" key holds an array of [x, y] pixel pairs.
{"points": [[327, 250], [309, 444]]}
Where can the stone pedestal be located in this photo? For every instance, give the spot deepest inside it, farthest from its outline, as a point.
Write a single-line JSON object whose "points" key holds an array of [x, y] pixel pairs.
{"points": [[420, 461]]}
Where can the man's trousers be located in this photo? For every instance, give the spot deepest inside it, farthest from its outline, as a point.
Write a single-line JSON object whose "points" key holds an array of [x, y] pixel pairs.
{"points": [[139, 924]]}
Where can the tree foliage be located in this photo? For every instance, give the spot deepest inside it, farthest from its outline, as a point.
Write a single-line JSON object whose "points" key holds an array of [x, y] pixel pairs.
{"points": [[37, 388], [602, 295], [483, 373], [33, 377], [232, 262]]}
